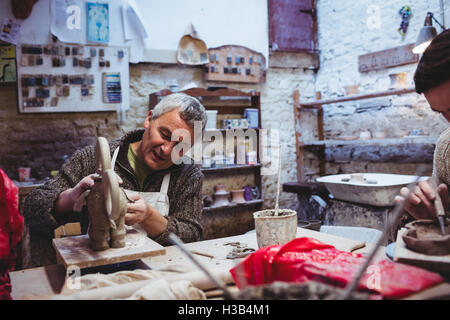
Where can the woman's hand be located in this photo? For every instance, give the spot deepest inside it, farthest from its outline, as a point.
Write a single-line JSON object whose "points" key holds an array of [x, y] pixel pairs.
{"points": [[421, 202]]}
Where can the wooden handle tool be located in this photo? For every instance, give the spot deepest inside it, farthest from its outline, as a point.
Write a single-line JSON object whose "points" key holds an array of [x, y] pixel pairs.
{"points": [[440, 211]]}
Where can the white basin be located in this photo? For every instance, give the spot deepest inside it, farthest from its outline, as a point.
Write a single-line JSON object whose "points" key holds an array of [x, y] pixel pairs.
{"points": [[380, 191]]}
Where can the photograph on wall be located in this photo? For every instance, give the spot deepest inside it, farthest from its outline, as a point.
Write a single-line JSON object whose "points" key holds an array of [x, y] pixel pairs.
{"points": [[10, 31], [7, 63], [98, 22]]}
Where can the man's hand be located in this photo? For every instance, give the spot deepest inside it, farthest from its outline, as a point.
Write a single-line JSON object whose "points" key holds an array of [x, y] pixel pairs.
{"points": [[137, 211], [142, 213], [66, 199], [421, 202]]}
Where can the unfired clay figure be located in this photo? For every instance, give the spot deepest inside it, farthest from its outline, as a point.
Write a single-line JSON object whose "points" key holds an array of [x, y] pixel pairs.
{"points": [[106, 203]]}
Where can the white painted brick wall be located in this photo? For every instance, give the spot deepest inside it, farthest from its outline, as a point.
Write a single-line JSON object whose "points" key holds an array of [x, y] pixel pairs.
{"points": [[343, 35]]}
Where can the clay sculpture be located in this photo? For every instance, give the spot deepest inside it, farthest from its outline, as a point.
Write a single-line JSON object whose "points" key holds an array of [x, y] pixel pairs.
{"points": [[425, 236], [106, 204]]}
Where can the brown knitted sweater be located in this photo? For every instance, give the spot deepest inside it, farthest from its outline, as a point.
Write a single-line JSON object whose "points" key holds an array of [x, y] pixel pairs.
{"points": [[184, 218]]}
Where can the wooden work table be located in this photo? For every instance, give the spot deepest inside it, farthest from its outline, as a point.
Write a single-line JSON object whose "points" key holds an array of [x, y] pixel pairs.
{"points": [[46, 281]]}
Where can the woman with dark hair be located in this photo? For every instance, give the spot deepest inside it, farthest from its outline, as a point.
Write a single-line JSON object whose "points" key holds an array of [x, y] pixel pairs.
{"points": [[432, 78]]}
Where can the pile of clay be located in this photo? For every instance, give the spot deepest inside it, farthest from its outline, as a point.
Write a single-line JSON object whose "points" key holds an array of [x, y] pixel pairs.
{"points": [[425, 236], [240, 250], [310, 290]]}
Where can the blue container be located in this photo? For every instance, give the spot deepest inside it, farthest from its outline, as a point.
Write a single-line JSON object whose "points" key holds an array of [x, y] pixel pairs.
{"points": [[252, 117]]}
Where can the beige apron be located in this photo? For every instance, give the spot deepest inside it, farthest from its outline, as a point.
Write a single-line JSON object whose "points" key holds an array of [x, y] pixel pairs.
{"points": [[158, 200]]}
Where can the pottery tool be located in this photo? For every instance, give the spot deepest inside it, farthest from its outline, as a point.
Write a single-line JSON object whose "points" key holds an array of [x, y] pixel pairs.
{"points": [[396, 215], [278, 185], [202, 254], [440, 211], [214, 279]]}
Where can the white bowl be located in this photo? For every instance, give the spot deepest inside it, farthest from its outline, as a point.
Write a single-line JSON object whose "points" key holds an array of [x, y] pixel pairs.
{"points": [[381, 193]]}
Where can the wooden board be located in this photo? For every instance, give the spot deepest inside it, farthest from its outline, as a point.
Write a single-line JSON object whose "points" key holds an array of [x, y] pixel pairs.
{"points": [[213, 253], [76, 251], [231, 63], [405, 255], [46, 86], [387, 58]]}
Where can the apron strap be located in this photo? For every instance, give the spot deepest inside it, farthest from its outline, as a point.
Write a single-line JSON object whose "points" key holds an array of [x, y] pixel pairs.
{"points": [[114, 157], [165, 184]]}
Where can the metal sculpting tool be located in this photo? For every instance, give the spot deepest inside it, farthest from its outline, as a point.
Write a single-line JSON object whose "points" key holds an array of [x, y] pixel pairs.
{"points": [[219, 283]]}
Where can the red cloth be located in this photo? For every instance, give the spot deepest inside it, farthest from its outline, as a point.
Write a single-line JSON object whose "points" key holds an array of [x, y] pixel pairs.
{"points": [[305, 259], [11, 225]]}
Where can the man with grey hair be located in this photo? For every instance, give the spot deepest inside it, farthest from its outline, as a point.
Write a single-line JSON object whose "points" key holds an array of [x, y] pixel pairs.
{"points": [[145, 162]]}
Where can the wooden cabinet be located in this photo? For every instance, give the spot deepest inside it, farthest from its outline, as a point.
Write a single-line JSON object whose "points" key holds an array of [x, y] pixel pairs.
{"points": [[233, 218]]}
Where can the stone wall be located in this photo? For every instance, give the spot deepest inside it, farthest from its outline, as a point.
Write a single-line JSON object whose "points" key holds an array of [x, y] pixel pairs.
{"points": [[346, 30], [42, 140]]}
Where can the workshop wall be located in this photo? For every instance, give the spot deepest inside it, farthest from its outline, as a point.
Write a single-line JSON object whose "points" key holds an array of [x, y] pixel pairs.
{"points": [[276, 107], [42, 140], [347, 30]]}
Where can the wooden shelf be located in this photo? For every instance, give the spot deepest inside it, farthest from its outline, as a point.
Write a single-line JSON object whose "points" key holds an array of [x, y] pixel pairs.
{"points": [[225, 130], [374, 142], [319, 103], [231, 169], [250, 203]]}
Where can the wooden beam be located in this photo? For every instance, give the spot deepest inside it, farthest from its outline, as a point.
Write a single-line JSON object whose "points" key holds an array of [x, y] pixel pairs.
{"points": [[298, 135], [321, 135], [318, 104]]}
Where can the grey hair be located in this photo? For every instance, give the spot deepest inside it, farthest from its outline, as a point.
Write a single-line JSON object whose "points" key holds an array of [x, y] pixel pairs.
{"points": [[190, 108]]}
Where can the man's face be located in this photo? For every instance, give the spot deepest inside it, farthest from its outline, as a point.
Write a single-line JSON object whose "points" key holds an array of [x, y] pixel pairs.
{"points": [[439, 99], [156, 146]]}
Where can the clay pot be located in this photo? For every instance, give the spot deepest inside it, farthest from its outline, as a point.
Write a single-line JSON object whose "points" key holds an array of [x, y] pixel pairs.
{"points": [[365, 135], [221, 199], [248, 193], [303, 224], [379, 135], [357, 177], [315, 224], [310, 224], [220, 189], [207, 201], [398, 80], [425, 236], [238, 196], [271, 229], [351, 90]]}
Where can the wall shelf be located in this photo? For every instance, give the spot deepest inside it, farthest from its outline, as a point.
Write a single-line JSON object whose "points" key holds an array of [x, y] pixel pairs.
{"points": [[231, 169], [248, 204], [234, 218], [321, 142], [374, 142], [318, 103]]}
